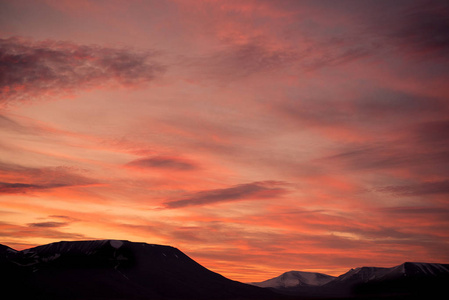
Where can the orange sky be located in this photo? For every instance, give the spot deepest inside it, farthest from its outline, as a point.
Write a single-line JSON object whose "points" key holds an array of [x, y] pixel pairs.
{"points": [[257, 137]]}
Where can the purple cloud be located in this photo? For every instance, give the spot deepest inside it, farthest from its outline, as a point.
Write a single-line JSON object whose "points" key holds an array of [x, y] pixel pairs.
{"points": [[48, 224], [424, 30], [260, 189], [28, 179], [425, 188], [32, 69], [163, 162], [9, 229]]}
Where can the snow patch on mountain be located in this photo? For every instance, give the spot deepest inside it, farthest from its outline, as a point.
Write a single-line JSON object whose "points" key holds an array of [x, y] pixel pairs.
{"points": [[431, 269], [296, 278], [51, 257], [116, 244], [363, 274], [405, 270]]}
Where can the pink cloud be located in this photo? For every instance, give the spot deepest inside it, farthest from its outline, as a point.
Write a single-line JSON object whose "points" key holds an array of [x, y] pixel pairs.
{"points": [[163, 162], [255, 190], [33, 69]]}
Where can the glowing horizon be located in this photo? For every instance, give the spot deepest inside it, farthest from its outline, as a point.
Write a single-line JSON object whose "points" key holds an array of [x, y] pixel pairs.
{"points": [[256, 136]]}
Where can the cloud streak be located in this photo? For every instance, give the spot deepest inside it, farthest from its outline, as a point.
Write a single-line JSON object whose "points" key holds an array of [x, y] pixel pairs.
{"points": [[254, 190], [48, 224], [423, 31], [163, 162], [30, 231], [31, 69], [420, 189], [7, 187], [23, 179]]}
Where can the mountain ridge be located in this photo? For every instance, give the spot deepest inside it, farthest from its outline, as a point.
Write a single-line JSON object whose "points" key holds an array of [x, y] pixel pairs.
{"points": [[120, 269], [115, 269], [407, 280]]}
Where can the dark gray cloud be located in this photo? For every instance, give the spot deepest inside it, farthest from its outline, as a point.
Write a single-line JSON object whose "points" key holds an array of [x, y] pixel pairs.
{"points": [[29, 68], [14, 188], [48, 224], [414, 27], [254, 190], [423, 29], [417, 210], [163, 162], [417, 29], [420, 189], [9, 229], [27, 179]]}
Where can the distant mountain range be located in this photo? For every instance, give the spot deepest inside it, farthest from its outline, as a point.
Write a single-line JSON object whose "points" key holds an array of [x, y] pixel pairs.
{"points": [[400, 282], [113, 269]]}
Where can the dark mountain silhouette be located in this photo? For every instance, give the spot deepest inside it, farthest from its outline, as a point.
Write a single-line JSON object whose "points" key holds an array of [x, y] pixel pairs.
{"points": [[406, 281], [112, 269], [410, 279]]}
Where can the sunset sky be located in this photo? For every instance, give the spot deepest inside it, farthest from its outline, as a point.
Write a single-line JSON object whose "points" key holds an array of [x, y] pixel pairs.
{"points": [[256, 136]]}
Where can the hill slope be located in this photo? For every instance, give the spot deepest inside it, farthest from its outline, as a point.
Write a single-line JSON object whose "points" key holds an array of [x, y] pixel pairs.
{"points": [[112, 269]]}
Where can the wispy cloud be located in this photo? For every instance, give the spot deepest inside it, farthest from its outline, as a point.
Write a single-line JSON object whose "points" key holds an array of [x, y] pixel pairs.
{"points": [[48, 224], [254, 56], [9, 124], [420, 189], [29, 231], [423, 30], [163, 162], [34, 68], [23, 179], [254, 190], [418, 210], [8, 187]]}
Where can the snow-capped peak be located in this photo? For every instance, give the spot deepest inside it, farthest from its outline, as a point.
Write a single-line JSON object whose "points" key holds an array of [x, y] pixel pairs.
{"points": [[296, 278]]}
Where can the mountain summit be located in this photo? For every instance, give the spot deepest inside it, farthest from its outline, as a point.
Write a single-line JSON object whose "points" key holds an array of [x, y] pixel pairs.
{"points": [[409, 280], [114, 269], [294, 279]]}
